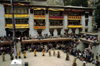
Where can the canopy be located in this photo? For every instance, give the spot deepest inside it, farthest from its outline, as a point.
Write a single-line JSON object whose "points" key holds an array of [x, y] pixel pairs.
{"points": [[16, 62]]}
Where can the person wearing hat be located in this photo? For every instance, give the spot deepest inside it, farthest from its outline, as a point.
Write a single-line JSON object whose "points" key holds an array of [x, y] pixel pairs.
{"points": [[74, 62], [84, 63], [67, 56], [58, 54], [24, 54], [54, 52], [34, 52], [19, 55], [43, 52], [3, 56], [49, 53]]}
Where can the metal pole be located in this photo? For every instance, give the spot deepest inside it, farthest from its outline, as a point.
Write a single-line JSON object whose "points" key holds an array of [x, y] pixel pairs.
{"points": [[13, 22]]}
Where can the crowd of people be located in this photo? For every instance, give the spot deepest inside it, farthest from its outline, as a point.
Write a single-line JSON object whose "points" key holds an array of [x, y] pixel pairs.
{"points": [[69, 47]]}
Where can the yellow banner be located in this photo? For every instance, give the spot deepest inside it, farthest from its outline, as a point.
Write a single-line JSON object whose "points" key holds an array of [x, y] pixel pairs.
{"points": [[39, 17], [56, 9], [16, 15], [74, 18], [17, 26], [39, 8], [39, 27], [56, 18], [74, 26]]}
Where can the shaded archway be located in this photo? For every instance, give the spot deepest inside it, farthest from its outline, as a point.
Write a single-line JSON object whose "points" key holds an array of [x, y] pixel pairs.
{"points": [[9, 33], [39, 32], [26, 33], [59, 42], [36, 44], [59, 30], [51, 31], [73, 30], [44, 43], [18, 33]]}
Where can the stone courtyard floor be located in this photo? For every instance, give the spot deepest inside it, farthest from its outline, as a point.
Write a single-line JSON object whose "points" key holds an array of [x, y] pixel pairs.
{"points": [[46, 60]]}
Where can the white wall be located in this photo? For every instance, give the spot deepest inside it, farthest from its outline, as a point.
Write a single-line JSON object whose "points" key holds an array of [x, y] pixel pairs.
{"points": [[83, 23], [77, 31], [2, 21], [90, 24], [65, 22], [96, 49], [99, 35], [70, 31], [81, 46], [46, 31], [55, 33], [62, 32], [32, 32]]}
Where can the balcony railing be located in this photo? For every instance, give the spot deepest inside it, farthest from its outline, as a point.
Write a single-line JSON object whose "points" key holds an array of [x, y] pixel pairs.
{"points": [[55, 27], [74, 18], [39, 27], [56, 17], [74, 26], [17, 15], [39, 17], [17, 26]]}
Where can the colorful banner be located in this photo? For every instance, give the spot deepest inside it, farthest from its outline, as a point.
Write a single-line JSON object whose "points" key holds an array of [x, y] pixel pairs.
{"points": [[39, 27], [75, 10], [74, 26], [39, 17], [56, 17], [74, 18], [16, 4], [17, 15], [18, 26]]}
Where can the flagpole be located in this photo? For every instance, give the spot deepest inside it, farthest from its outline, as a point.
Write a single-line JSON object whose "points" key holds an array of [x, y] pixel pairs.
{"points": [[14, 30]]}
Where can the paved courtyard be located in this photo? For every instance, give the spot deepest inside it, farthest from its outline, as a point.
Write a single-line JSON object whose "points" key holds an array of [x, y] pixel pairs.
{"points": [[46, 60]]}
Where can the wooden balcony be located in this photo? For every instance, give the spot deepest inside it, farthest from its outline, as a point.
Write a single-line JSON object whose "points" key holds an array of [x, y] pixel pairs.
{"points": [[56, 17], [39, 17], [18, 26], [17, 15], [74, 18], [74, 26], [55, 27], [39, 27]]}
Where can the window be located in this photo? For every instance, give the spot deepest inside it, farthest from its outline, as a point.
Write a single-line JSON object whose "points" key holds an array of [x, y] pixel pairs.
{"points": [[86, 30], [39, 22], [56, 22], [74, 22], [39, 12], [8, 21], [31, 10], [86, 23], [18, 21], [26, 11], [90, 13], [86, 15], [56, 13], [17, 10]]}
